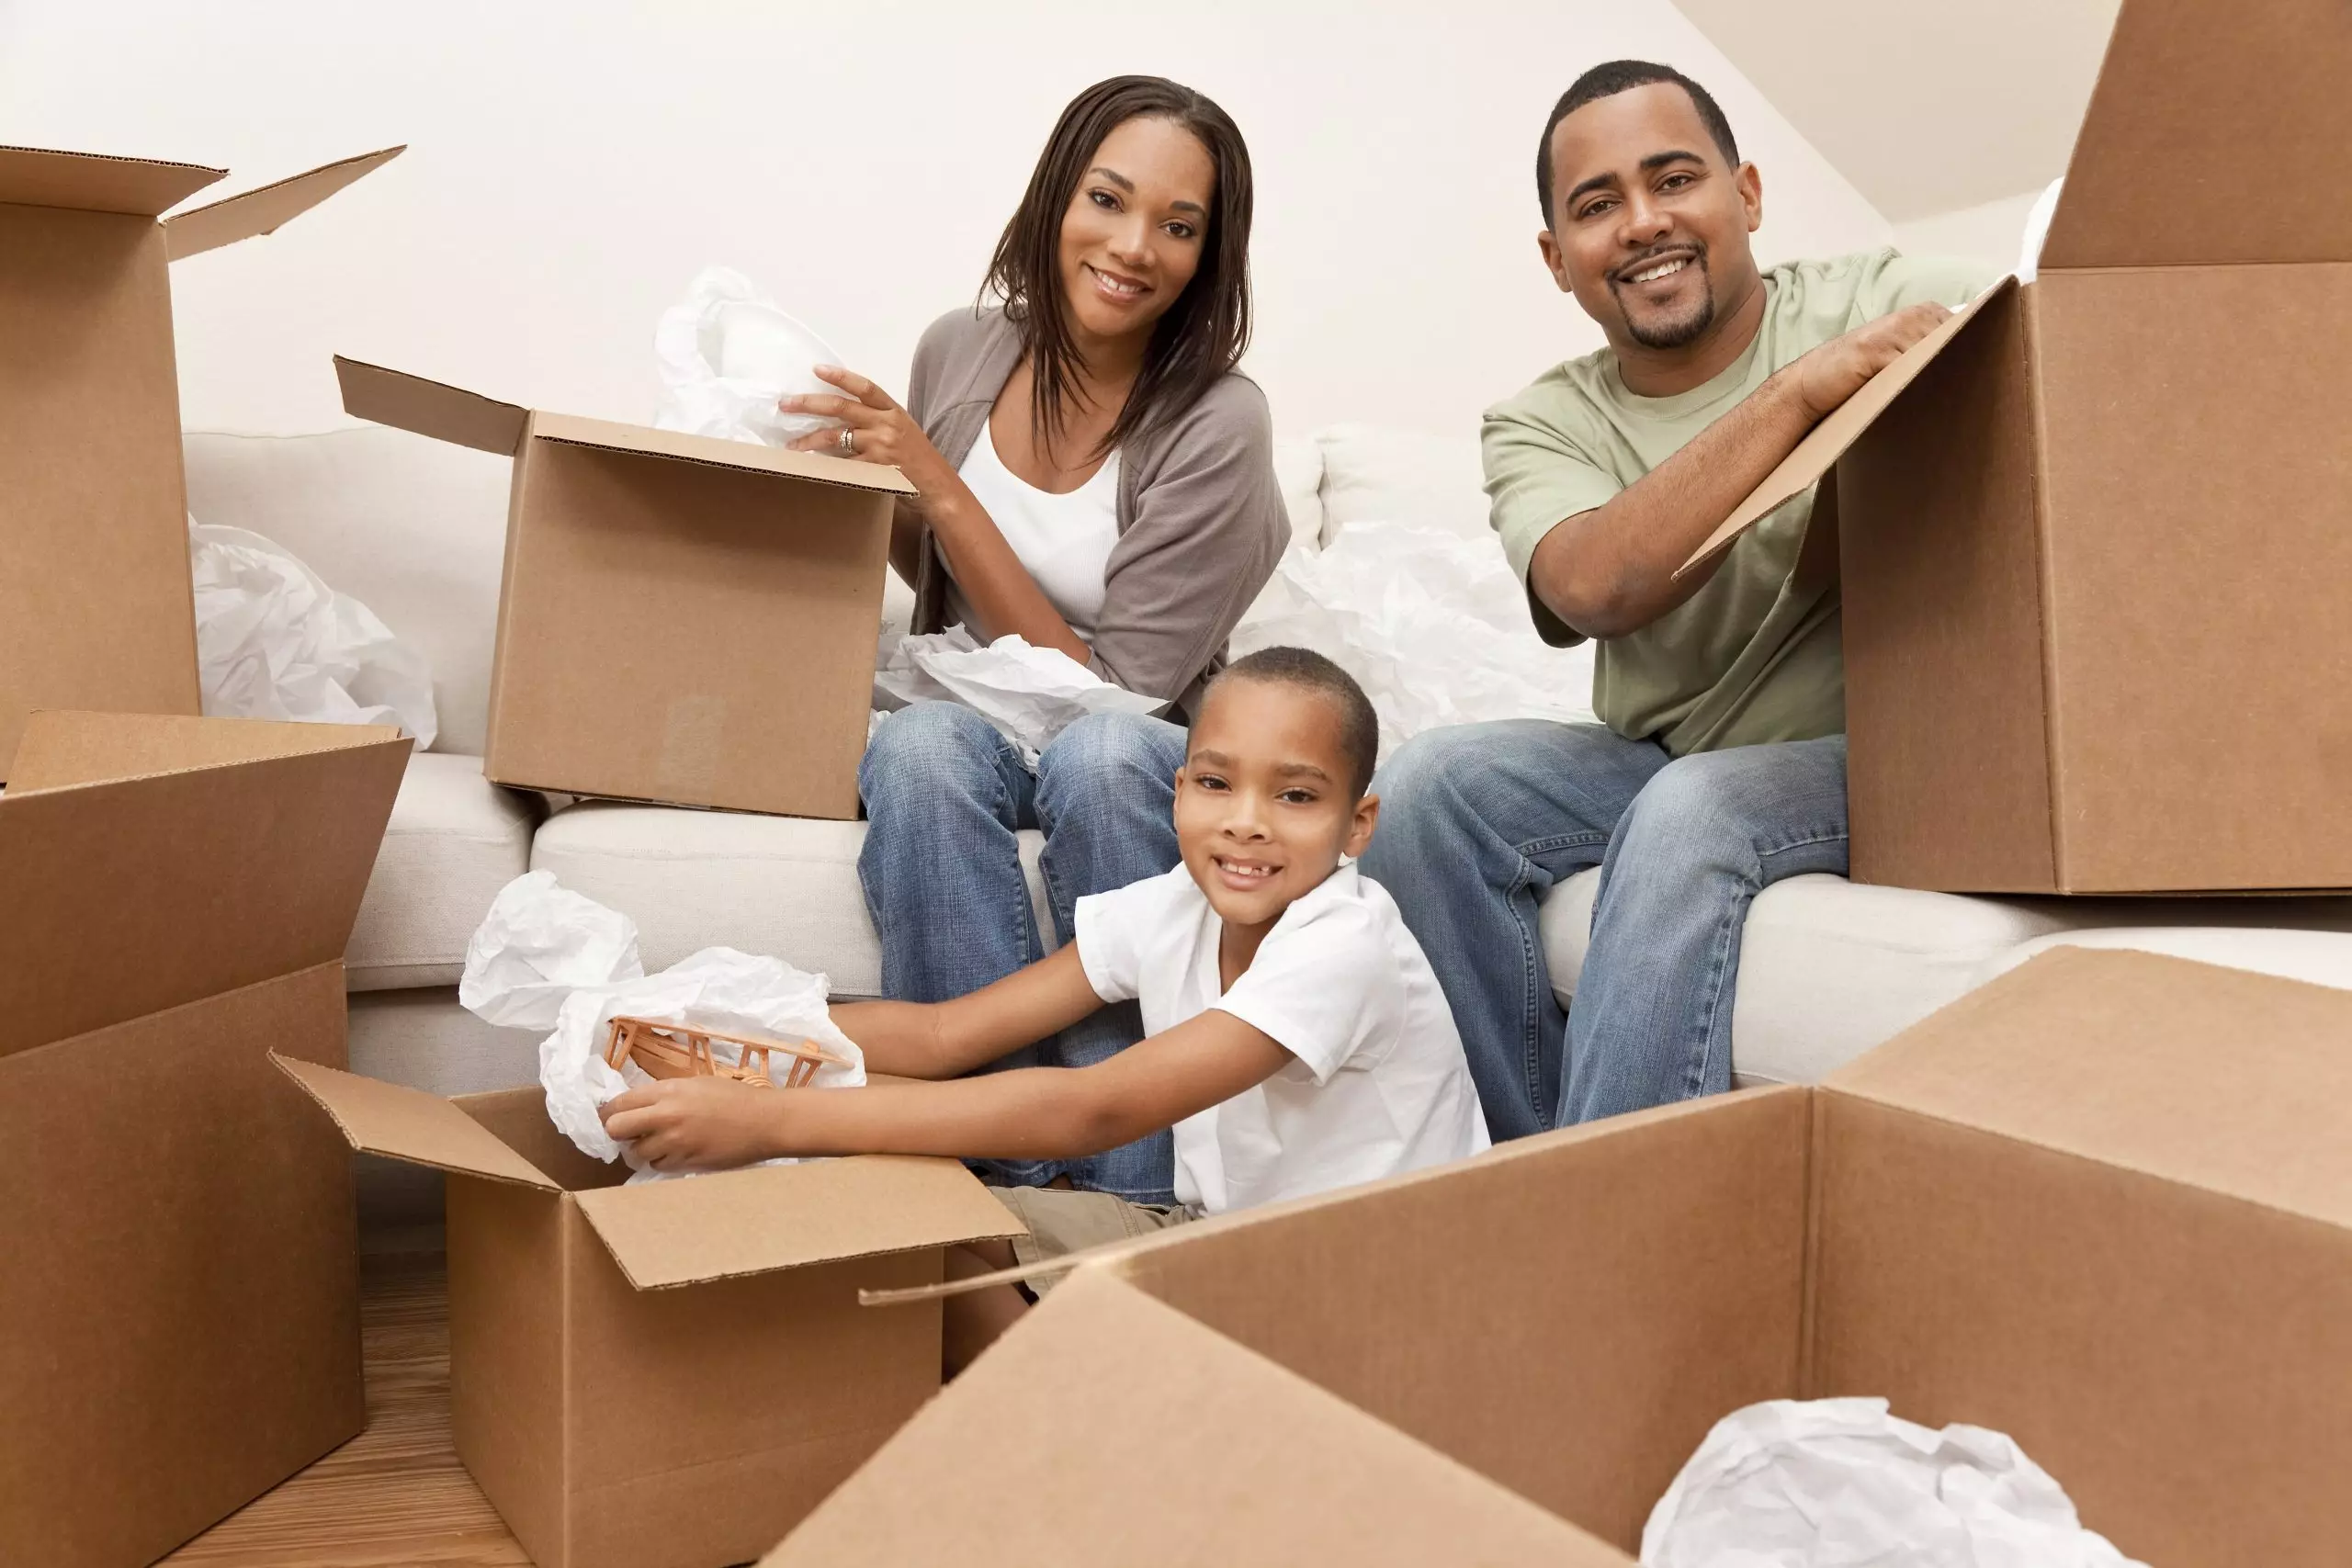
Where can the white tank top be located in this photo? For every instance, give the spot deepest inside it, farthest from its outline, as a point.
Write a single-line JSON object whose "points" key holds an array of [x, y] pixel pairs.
{"points": [[1064, 541]]}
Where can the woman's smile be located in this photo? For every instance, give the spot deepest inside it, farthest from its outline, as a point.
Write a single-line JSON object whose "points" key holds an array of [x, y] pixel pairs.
{"points": [[1115, 287]]}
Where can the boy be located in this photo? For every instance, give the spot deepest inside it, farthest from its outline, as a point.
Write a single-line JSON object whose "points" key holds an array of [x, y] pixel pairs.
{"points": [[1295, 1038]]}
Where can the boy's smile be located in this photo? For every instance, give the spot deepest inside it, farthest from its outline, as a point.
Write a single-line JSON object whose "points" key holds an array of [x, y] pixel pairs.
{"points": [[1267, 803]]}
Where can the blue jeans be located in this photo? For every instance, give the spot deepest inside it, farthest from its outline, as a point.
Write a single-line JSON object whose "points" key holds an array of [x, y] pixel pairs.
{"points": [[944, 794], [1477, 822]]}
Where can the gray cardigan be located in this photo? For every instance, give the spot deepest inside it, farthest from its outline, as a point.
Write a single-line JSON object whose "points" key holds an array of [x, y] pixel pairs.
{"points": [[1201, 518]]}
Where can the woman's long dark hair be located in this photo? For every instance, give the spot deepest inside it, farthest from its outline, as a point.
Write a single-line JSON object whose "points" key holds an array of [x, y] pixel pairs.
{"points": [[1202, 334]]}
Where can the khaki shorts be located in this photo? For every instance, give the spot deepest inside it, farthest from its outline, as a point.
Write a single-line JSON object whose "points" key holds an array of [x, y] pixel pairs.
{"points": [[1062, 1221]]}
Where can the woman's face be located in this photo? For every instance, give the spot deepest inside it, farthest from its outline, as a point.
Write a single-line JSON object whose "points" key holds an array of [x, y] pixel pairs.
{"points": [[1132, 238]]}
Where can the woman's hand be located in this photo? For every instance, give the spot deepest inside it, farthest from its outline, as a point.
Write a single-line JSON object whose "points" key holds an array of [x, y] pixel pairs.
{"points": [[698, 1124], [878, 431]]}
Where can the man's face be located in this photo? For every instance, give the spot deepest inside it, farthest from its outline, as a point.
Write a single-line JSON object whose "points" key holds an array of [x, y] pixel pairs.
{"points": [[1649, 224]]}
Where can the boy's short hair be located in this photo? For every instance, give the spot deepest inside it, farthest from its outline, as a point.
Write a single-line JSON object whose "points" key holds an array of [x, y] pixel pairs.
{"points": [[1308, 671]]}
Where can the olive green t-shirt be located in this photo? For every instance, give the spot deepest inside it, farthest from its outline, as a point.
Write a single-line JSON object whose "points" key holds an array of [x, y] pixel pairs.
{"points": [[1752, 656]]}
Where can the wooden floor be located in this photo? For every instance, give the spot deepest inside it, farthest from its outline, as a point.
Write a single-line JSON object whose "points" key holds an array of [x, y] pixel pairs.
{"points": [[394, 1497]]}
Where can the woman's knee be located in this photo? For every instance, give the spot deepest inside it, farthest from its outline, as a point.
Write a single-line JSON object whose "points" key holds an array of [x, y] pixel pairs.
{"points": [[1110, 753], [926, 750]]}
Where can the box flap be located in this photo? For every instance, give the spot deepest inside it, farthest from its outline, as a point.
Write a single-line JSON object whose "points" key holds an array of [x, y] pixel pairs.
{"points": [[1102, 1385], [2202, 135], [91, 182], [430, 408], [752, 1221], [59, 749], [2218, 1078], [410, 1124], [123, 897], [252, 212], [1812, 456], [577, 431]]}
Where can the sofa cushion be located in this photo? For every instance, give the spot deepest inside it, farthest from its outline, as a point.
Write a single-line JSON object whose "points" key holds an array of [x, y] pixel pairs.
{"points": [[413, 528], [2321, 957], [780, 886], [1374, 474], [453, 841]]}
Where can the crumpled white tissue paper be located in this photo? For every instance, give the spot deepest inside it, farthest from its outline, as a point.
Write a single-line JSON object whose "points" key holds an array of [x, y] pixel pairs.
{"points": [[1433, 626], [273, 641], [546, 957], [1029, 694], [727, 353], [2037, 230], [1843, 1484]]}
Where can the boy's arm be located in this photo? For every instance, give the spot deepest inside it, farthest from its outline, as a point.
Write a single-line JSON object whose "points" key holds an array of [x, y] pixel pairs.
{"points": [[1033, 1114], [945, 1040]]}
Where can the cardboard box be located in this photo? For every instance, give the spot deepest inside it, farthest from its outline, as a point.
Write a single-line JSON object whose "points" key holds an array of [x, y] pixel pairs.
{"points": [[2103, 1204], [179, 1305], [96, 609], [683, 619], [666, 1375], [2094, 537]]}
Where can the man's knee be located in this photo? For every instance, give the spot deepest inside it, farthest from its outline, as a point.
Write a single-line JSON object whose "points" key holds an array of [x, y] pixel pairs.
{"points": [[1110, 755], [1711, 806], [925, 749]]}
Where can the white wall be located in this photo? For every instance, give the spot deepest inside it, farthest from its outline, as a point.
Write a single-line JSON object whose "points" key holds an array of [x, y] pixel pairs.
{"points": [[1992, 233], [572, 166]]}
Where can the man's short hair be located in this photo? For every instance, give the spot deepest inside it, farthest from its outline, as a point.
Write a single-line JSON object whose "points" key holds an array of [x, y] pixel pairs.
{"points": [[1307, 671], [1608, 80]]}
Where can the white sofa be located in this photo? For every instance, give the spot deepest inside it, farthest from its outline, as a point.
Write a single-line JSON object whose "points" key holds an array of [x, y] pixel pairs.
{"points": [[414, 528]]}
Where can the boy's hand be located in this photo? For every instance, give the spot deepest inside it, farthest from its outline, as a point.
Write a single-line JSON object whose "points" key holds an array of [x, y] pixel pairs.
{"points": [[696, 1123], [1830, 375]]}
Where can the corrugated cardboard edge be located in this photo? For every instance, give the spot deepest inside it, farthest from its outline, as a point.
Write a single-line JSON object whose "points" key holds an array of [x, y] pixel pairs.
{"points": [[64, 749], [97, 182], [733, 1224], [430, 408], [263, 211], [576, 430], [410, 1124], [1271, 1467], [2057, 967], [1813, 457]]}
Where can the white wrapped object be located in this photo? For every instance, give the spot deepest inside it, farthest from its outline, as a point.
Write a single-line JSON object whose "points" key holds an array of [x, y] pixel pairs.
{"points": [[2037, 230], [549, 958], [1433, 626], [727, 353], [273, 641], [1842, 1483], [1029, 694]]}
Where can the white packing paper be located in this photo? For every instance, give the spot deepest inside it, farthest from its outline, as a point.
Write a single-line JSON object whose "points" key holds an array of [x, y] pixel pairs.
{"points": [[273, 641], [546, 957], [1029, 695], [1843, 1484], [727, 353], [2037, 230], [1433, 626]]}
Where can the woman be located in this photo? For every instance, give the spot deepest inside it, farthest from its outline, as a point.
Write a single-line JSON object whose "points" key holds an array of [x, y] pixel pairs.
{"points": [[1094, 475]]}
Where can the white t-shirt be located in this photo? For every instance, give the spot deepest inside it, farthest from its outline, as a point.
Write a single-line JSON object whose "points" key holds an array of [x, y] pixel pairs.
{"points": [[1378, 1083], [1064, 541]]}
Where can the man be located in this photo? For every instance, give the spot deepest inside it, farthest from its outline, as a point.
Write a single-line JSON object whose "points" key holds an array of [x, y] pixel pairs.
{"points": [[1722, 767]]}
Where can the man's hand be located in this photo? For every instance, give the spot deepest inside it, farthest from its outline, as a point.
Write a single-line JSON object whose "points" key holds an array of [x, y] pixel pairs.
{"points": [[1830, 375], [698, 1124]]}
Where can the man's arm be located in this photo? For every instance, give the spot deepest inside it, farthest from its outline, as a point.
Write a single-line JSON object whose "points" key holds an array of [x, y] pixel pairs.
{"points": [[1611, 570], [1031, 1113], [945, 1040]]}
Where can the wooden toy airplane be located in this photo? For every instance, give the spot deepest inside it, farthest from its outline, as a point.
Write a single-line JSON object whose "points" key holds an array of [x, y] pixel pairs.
{"points": [[683, 1051]]}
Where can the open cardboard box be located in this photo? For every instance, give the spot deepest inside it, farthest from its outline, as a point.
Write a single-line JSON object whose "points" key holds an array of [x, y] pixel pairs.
{"points": [[179, 1302], [2095, 534], [2103, 1204], [667, 1374], [96, 609], [683, 619]]}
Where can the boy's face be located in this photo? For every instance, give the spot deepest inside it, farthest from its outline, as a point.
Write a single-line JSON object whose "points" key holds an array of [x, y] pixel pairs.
{"points": [[1265, 803]]}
